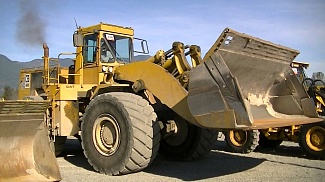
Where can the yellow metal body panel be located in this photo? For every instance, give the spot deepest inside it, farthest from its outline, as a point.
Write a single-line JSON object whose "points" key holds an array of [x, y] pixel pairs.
{"points": [[78, 79], [70, 91], [63, 77], [153, 76], [110, 28], [67, 117], [91, 74]]}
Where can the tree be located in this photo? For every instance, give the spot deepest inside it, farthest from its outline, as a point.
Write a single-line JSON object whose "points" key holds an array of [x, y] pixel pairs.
{"points": [[318, 76], [9, 93]]}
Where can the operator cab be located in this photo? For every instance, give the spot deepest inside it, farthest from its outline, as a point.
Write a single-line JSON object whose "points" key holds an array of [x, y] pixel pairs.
{"points": [[111, 48], [101, 48], [105, 43]]}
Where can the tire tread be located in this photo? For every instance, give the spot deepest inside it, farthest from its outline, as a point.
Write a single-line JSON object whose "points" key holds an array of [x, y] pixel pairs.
{"points": [[146, 135]]}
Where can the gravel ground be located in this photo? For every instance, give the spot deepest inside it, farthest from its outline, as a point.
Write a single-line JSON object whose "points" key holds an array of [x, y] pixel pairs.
{"points": [[281, 164]]}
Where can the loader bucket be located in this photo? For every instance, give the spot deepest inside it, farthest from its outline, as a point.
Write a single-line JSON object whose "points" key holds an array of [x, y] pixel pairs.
{"points": [[246, 82], [25, 150]]}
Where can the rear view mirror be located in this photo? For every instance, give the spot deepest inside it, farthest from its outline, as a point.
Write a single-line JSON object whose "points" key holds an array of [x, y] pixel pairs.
{"points": [[77, 39], [143, 46]]}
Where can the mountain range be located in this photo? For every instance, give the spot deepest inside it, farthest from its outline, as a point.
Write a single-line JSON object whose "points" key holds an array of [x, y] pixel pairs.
{"points": [[9, 70]]}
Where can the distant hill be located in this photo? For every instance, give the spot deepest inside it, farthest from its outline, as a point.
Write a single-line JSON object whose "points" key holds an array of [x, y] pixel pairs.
{"points": [[9, 73], [9, 70]]}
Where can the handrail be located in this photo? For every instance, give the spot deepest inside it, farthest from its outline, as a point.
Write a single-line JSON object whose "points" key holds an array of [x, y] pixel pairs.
{"points": [[52, 65]]}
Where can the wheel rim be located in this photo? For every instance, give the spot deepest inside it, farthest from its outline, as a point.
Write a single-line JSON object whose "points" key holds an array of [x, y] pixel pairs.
{"points": [[315, 137], [238, 138], [106, 134]]}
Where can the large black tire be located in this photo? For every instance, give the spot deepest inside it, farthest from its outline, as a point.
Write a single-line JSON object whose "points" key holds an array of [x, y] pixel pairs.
{"points": [[190, 143], [119, 133], [312, 140], [269, 144], [240, 141]]}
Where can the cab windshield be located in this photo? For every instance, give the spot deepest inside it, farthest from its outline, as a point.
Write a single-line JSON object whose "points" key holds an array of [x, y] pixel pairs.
{"points": [[115, 47]]}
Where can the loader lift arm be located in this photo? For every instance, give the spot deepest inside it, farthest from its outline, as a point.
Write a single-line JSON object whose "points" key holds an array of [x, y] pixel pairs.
{"points": [[231, 88]]}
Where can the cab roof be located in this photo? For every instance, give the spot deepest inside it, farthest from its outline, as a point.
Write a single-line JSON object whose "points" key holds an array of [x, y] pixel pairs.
{"points": [[296, 64], [108, 27]]}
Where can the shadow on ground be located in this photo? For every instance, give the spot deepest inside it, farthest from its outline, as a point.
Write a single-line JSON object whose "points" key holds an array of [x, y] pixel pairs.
{"points": [[214, 165], [287, 149], [73, 153], [291, 150], [282, 150]]}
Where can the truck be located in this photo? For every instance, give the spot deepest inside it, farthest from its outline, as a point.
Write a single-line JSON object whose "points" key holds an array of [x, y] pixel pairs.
{"points": [[125, 112], [310, 137]]}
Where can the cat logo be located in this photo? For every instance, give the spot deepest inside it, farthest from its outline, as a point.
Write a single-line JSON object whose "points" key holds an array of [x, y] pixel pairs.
{"points": [[69, 86], [27, 80]]}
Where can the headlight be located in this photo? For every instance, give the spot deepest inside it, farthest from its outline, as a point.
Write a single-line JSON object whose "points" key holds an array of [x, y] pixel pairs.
{"points": [[110, 69], [105, 68]]}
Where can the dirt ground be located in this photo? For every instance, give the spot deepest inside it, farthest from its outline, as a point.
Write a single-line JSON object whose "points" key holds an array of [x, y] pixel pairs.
{"points": [[284, 163]]}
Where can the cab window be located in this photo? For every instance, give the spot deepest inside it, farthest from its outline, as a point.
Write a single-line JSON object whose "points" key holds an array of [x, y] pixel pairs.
{"points": [[106, 53], [120, 46], [89, 50]]}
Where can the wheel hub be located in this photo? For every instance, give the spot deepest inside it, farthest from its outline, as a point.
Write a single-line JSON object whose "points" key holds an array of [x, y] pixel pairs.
{"points": [[180, 135], [238, 138], [106, 135], [316, 138]]}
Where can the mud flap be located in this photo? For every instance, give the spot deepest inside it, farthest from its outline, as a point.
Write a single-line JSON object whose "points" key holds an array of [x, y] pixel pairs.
{"points": [[25, 151], [241, 84]]}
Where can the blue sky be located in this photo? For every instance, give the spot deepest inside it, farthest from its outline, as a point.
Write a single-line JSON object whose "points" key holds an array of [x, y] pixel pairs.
{"points": [[295, 23]]}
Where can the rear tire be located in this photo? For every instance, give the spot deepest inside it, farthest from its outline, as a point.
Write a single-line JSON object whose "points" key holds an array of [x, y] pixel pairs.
{"points": [[312, 140], [119, 133], [240, 141], [190, 143]]}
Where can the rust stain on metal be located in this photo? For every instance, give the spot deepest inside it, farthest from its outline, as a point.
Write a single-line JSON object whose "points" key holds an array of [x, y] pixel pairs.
{"points": [[71, 112]]}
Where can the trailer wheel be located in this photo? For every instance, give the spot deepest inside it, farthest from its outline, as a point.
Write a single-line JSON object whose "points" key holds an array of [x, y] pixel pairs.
{"points": [[241, 141], [312, 140], [267, 143], [189, 143], [119, 133]]}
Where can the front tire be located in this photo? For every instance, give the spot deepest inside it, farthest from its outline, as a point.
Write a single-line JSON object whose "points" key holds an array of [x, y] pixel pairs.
{"points": [[312, 140], [240, 141], [119, 133]]}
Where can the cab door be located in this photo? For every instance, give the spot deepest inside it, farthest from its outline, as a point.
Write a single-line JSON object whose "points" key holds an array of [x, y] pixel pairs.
{"points": [[90, 59]]}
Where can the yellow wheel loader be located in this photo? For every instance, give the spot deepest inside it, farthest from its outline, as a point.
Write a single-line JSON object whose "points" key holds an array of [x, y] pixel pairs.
{"points": [[126, 112], [311, 137]]}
